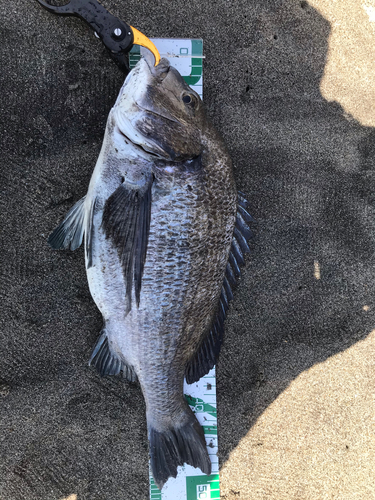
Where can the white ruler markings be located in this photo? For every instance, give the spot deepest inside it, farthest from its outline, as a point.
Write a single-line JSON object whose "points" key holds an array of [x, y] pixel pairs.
{"points": [[186, 55]]}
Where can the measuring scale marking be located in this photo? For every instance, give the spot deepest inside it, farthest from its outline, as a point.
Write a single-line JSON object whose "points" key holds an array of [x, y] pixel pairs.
{"points": [[186, 55]]}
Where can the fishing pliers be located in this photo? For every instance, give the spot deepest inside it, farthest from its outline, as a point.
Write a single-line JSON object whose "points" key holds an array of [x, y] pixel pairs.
{"points": [[116, 35]]}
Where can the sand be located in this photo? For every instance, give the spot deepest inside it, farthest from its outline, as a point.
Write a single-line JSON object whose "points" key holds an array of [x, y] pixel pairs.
{"points": [[290, 86]]}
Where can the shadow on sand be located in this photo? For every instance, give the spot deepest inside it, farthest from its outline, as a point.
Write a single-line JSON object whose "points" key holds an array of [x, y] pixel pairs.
{"points": [[308, 172]]}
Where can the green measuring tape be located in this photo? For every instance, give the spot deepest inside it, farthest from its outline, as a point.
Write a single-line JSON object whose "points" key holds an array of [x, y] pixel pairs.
{"points": [[186, 55]]}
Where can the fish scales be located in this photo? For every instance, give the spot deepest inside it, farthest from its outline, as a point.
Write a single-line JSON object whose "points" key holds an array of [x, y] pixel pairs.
{"points": [[159, 219]]}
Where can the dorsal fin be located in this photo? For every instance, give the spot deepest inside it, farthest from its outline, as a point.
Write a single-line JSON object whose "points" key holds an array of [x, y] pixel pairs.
{"points": [[208, 351], [69, 233]]}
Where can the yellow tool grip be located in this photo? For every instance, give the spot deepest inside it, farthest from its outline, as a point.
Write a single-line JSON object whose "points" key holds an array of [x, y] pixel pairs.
{"points": [[141, 39]]}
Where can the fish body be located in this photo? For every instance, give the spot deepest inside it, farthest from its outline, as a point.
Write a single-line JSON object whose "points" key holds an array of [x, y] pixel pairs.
{"points": [[158, 222]]}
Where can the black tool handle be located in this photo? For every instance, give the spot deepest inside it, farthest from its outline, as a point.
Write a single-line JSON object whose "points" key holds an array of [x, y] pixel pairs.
{"points": [[116, 35]]}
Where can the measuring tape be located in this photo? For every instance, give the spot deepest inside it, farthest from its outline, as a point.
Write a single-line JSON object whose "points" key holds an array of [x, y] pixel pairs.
{"points": [[186, 55], [191, 483]]}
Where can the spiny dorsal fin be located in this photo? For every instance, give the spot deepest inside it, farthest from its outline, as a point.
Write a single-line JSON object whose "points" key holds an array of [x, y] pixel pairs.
{"points": [[207, 353], [126, 221]]}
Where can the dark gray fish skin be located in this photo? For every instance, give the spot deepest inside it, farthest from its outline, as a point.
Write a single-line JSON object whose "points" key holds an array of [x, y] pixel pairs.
{"points": [[158, 220]]}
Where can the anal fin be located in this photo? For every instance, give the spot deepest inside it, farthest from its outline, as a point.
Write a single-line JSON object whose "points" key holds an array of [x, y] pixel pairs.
{"points": [[107, 362], [208, 351]]}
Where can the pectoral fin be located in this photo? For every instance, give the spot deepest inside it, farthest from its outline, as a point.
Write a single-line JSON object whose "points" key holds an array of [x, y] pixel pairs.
{"points": [[126, 221]]}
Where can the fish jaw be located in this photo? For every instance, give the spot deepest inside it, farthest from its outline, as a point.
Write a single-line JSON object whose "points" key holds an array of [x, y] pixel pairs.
{"points": [[127, 109], [150, 112], [137, 81]]}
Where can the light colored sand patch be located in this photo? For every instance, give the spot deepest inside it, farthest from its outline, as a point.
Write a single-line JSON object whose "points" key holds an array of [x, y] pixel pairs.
{"points": [[370, 9], [350, 69], [316, 441], [316, 270]]}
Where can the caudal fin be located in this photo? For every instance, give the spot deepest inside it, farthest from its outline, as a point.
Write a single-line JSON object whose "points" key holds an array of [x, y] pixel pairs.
{"points": [[176, 446]]}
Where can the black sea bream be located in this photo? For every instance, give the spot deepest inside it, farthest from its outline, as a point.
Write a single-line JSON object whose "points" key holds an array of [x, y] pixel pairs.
{"points": [[164, 231]]}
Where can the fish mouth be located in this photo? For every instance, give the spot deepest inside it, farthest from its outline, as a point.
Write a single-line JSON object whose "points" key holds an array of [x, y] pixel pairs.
{"points": [[158, 72], [161, 70]]}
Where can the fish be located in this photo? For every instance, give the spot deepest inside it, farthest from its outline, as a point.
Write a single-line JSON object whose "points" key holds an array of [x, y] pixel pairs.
{"points": [[165, 232]]}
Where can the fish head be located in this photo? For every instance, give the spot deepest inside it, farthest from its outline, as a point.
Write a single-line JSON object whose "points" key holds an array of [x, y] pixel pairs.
{"points": [[158, 112]]}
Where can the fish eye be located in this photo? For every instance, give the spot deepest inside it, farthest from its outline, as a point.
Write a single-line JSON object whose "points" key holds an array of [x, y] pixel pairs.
{"points": [[189, 99]]}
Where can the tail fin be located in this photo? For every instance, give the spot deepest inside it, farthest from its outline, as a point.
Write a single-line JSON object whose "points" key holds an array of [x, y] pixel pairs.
{"points": [[176, 446]]}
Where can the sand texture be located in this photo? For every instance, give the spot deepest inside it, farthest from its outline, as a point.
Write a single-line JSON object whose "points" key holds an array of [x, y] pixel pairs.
{"points": [[290, 85]]}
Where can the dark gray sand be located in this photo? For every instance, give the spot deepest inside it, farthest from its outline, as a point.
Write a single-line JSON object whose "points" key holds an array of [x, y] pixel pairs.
{"points": [[296, 375]]}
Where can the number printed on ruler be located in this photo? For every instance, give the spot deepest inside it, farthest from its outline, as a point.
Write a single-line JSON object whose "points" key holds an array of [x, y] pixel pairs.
{"points": [[186, 55]]}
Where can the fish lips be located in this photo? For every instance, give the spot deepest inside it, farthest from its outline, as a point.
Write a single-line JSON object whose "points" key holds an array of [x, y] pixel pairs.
{"points": [[161, 70], [130, 135], [143, 73]]}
